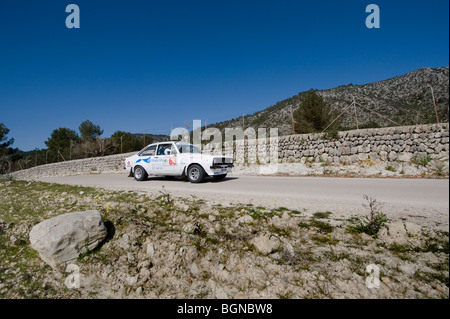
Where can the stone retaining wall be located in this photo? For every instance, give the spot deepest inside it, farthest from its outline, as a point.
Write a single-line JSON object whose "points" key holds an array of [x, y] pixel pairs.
{"points": [[380, 144], [105, 164], [390, 144]]}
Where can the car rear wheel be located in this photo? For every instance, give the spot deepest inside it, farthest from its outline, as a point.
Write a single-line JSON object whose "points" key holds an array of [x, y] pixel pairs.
{"points": [[139, 173], [219, 177], [195, 173]]}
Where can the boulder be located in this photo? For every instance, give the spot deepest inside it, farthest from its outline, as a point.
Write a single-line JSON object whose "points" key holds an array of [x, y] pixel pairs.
{"points": [[265, 244], [288, 251], [65, 237], [246, 219]]}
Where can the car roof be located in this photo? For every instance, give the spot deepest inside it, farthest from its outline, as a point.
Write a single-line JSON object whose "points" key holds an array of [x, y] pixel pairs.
{"points": [[169, 142]]}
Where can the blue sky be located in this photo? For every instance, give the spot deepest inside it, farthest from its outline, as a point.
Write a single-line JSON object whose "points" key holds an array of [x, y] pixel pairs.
{"points": [[149, 65]]}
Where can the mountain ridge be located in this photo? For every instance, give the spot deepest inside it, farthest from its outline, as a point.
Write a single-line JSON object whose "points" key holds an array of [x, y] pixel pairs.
{"points": [[401, 100]]}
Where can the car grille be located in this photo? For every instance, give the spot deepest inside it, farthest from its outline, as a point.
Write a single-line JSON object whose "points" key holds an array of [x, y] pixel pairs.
{"points": [[223, 161]]}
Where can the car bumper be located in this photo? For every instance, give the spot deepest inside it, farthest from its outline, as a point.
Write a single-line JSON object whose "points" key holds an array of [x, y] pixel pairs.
{"points": [[220, 169], [220, 166]]}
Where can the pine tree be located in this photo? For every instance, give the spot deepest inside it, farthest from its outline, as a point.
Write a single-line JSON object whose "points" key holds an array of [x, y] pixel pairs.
{"points": [[4, 141], [313, 114], [89, 131]]}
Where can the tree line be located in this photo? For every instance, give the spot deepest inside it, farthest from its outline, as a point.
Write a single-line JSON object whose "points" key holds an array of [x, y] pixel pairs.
{"points": [[66, 144]]}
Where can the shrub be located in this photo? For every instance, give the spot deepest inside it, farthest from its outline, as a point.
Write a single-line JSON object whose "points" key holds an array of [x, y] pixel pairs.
{"points": [[331, 135], [371, 224], [369, 162], [8, 177], [390, 168], [322, 214], [421, 160], [314, 114]]}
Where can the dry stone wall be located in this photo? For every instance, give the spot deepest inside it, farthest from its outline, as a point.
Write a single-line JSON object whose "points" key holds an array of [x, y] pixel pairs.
{"points": [[393, 144], [390, 144], [105, 164]]}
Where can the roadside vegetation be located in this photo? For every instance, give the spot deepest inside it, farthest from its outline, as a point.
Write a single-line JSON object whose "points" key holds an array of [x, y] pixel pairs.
{"points": [[65, 144]]}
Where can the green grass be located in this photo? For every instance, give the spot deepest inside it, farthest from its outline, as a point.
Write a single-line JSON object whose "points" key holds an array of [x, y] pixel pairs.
{"points": [[397, 248], [322, 215], [281, 209], [390, 168], [304, 225], [324, 240], [286, 295], [260, 212], [421, 160], [322, 227], [423, 276], [281, 232]]}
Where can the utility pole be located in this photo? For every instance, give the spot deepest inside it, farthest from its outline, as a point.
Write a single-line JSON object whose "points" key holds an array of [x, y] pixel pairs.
{"points": [[59, 153], [292, 120], [46, 156], [121, 150], [434, 101], [356, 114], [70, 151]]}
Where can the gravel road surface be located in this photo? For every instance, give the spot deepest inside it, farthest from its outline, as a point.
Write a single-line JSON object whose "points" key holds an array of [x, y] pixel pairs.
{"points": [[425, 201]]}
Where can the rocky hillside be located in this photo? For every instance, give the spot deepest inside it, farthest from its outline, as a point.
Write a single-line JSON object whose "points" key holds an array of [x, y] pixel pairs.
{"points": [[154, 138], [405, 100]]}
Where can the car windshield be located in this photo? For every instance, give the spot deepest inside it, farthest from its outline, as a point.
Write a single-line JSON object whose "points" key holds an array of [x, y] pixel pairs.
{"points": [[188, 148]]}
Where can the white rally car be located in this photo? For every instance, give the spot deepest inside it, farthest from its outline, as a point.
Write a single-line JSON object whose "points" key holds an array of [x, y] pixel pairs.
{"points": [[177, 159]]}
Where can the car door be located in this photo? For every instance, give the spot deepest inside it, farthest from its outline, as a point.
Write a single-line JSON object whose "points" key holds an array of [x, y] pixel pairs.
{"points": [[165, 161], [145, 158]]}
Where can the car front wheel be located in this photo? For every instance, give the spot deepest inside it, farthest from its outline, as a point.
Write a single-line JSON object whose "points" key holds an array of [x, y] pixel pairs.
{"points": [[195, 174], [139, 173]]}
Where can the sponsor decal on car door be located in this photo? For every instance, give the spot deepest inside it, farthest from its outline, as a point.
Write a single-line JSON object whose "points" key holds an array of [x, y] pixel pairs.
{"points": [[166, 160]]}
